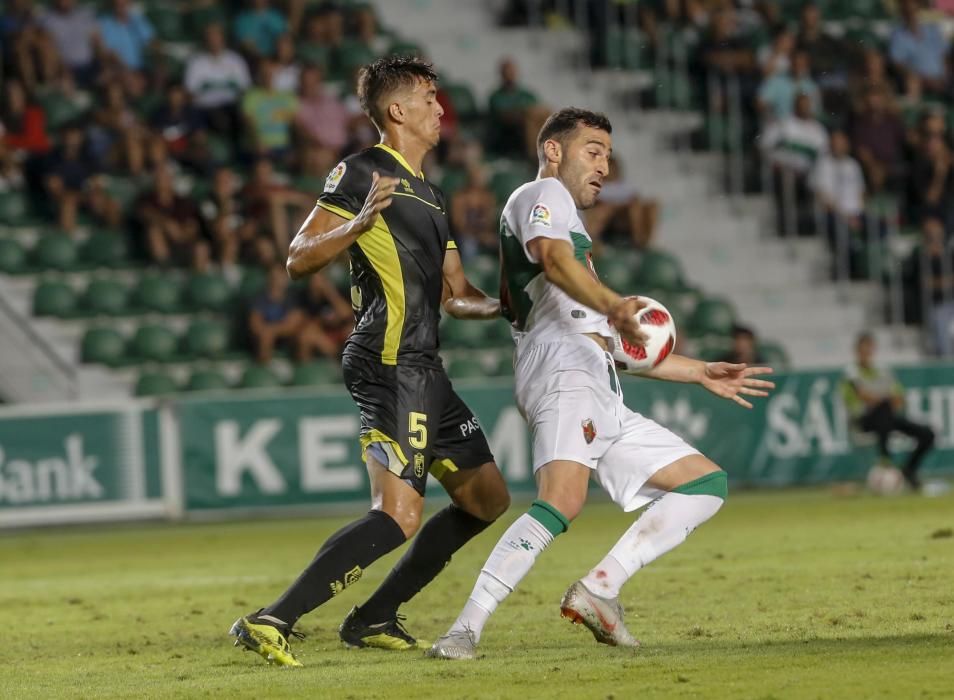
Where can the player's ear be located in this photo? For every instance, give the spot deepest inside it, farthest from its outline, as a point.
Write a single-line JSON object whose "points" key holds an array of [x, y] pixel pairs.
{"points": [[396, 112], [553, 151]]}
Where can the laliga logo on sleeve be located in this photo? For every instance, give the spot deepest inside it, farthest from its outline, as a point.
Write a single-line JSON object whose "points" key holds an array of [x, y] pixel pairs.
{"points": [[334, 177], [540, 215]]}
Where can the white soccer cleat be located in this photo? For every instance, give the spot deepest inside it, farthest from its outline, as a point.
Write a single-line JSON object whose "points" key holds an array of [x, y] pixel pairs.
{"points": [[601, 616], [455, 646]]}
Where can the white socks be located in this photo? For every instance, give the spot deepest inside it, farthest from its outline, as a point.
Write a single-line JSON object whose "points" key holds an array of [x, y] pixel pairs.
{"points": [[665, 524], [507, 564]]}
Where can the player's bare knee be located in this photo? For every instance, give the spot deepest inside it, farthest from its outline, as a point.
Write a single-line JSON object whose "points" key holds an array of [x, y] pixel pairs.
{"points": [[408, 518]]}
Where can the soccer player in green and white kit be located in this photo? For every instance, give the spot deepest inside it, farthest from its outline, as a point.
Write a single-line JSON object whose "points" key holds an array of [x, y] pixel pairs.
{"points": [[568, 391]]}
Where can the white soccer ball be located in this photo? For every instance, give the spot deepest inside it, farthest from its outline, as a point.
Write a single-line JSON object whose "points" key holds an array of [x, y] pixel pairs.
{"points": [[884, 480], [656, 322]]}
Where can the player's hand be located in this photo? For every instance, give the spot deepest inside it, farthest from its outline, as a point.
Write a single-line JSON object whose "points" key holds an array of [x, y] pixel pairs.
{"points": [[623, 318], [378, 199], [732, 381]]}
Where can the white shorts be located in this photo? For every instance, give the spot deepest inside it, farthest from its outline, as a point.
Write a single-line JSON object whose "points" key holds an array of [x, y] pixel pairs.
{"points": [[568, 392]]}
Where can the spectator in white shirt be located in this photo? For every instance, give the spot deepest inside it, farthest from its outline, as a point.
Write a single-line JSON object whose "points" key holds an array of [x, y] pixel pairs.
{"points": [[75, 34], [839, 182], [216, 79]]}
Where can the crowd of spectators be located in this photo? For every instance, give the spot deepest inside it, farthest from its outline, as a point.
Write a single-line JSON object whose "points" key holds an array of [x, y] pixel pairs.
{"points": [[205, 139]]}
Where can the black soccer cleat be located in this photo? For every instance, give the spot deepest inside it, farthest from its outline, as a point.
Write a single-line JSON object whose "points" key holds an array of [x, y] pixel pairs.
{"points": [[389, 635]]}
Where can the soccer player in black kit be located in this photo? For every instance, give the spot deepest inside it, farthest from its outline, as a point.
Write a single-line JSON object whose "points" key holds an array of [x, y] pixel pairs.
{"points": [[404, 268]]}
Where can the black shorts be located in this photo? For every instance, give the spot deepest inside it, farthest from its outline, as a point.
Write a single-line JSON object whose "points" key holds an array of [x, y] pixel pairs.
{"points": [[413, 420]]}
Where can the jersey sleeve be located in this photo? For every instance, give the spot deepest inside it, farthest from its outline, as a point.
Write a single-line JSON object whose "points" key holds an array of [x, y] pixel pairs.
{"points": [[545, 210], [346, 188], [442, 203]]}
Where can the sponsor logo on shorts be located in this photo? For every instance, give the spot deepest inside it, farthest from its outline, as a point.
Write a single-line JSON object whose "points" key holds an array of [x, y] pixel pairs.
{"points": [[418, 465], [540, 215], [334, 177], [589, 431]]}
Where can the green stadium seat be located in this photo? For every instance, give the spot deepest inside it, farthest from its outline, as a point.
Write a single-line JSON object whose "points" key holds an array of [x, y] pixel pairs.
{"points": [[154, 383], [464, 334], [313, 54], [256, 377], [153, 342], [206, 380], [349, 58], [618, 274], [205, 338], [208, 292], [105, 296], [13, 259], [60, 110], [168, 21], [52, 298], [683, 303], [155, 293], [316, 373], [253, 282], [465, 104], [504, 182], [713, 348], [103, 346], [56, 251], [773, 355], [659, 271], [404, 48], [453, 180], [503, 362], [14, 208], [466, 366], [712, 316], [105, 249]]}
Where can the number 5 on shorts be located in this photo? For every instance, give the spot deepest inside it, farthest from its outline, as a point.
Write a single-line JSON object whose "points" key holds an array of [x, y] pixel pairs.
{"points": [[417, 429]]}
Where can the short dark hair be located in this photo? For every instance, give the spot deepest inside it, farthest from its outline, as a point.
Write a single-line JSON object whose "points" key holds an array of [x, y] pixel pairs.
{"points": [[564, 122], [740, 331], [387, 74], [863, 337]]}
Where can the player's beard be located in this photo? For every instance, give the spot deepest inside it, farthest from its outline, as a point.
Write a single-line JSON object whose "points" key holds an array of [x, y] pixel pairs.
{"points": [[576, 180]]}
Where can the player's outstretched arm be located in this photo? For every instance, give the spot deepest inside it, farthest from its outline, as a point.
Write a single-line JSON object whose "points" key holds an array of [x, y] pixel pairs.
{"points": [[460, 298], [324, 235], [725, 379], [563, 269]]}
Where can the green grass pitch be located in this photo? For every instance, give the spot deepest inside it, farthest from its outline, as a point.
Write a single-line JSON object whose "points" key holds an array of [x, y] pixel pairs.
{"points": [[797, 594]]}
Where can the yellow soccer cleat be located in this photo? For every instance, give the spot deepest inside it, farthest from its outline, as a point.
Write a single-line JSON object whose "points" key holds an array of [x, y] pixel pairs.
{"points": [[265, 639]]}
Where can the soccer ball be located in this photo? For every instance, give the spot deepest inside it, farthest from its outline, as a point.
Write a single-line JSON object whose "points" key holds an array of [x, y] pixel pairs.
{"points": [[884, 480], [656, 322]]}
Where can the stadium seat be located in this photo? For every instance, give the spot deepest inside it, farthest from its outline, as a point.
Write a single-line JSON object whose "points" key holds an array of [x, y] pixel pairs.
{"points": [[405, 48], [205, 338], [154, 342], [208, 292], [103, 346], [502, 362], [59, 110], [713, 348], [154, 383], [13, 259], [466, 366], [465, 104], [659, 271], [14, 208], [56, 251], [464, 334], [206, 380], [167, 20], [712, 316], [53, 298], [773, 355], [505, 181], [105, 249], [155, 293], [105, 296], [349, 57], [253, 282], [256, 377], [618, 274], [316, 373]]}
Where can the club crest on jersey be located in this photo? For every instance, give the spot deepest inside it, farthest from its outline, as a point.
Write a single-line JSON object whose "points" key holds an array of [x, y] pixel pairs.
{"points": [[334, 177], [540, 215], [589, 430]]}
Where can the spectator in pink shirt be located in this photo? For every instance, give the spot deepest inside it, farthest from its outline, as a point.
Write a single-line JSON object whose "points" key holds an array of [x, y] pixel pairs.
{"points": [[322, 117]]}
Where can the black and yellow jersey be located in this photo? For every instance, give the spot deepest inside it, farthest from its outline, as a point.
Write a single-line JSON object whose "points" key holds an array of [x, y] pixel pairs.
{"points": [[396, 267]]}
